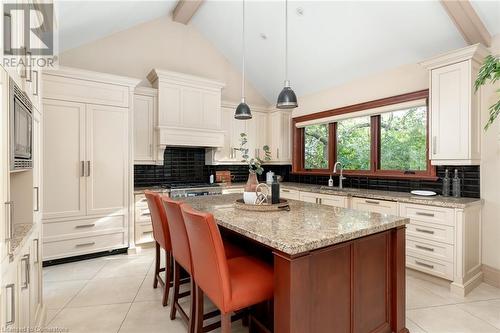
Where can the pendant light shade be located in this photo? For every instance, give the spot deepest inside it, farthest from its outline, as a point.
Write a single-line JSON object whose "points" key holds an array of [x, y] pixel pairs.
{"points": [[287, 98], [243, 110]]}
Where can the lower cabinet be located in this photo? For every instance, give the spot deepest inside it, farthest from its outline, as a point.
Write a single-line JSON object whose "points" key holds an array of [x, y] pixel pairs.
{"points": [[289, 194], [375, 206], [325, 199]]}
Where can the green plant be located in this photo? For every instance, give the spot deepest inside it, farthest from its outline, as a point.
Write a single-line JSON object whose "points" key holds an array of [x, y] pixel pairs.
{"points": [[489, 72], [254, 163]]}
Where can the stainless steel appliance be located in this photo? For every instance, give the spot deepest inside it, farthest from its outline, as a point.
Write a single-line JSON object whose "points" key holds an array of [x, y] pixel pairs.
{"points": [[21, 128], [182, 190]]}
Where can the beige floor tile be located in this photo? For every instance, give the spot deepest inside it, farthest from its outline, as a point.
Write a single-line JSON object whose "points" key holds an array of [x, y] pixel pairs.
{"points": [[412, 327], [148, 293], [151, 317], [449, 319], [488, 311], [58, 294], [81, 270], [108, 291], [95, 319], [51, 314], [420, 297], [137, 266]]}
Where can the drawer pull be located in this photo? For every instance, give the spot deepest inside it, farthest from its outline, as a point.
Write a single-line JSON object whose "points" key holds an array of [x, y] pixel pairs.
{"points": [[424, 264], [82, 226], [425, 231], [425, 214], [372, 202], [146, 214], [430, 249], [147, 232], [283, 190], [85, 244]]}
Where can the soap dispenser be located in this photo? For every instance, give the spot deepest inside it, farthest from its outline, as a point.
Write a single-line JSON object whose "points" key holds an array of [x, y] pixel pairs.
{"points": [[330, 181]]}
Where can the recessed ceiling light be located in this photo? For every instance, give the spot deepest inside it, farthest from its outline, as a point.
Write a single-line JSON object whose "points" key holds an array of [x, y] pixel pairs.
{"points": [[263, 36], [300, 11]]}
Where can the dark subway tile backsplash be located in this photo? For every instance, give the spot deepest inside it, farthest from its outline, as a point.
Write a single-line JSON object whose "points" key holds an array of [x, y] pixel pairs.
{"points": [[188, 164]]}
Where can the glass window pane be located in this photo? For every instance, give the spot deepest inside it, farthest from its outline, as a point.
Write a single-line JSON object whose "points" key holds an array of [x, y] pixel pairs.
{"points": [[403, 140], [316, 146], [353, 143]]}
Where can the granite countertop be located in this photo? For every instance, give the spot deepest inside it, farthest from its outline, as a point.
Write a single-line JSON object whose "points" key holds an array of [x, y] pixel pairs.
{"points": [[19, 233], [304, 228]]}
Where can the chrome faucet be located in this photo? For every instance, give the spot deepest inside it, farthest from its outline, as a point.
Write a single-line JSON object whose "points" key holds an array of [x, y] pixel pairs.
{"points": [[341, 178]]}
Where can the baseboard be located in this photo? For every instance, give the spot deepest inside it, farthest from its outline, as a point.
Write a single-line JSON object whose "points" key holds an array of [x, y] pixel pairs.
{"points": [[491, 275], [66, 260], [463, 290]]}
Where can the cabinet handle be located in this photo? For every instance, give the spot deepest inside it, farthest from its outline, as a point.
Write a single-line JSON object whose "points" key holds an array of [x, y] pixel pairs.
{"points": [[82, 169], [36, 253], [425, 214], [12, 313], [434, 144], [7, 19], [9, 212], [88, 168], [37, 190], [26, 260], [35, 80], [425, 231], [430, 249], [284, 190], [81, 226], [85, 244], [372, 202], [277, 153], [424, 264]]}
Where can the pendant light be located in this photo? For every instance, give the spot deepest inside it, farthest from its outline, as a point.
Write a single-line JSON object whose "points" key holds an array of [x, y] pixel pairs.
{"points": [[243, 110], [286, 98]]}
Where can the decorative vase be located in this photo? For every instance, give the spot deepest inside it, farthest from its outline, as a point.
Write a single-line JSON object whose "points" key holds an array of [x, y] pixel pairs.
{"points": [[249, 195]]}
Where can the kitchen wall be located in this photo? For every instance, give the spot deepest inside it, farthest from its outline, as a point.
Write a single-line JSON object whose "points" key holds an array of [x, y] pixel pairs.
{"points": [[162, 44]]}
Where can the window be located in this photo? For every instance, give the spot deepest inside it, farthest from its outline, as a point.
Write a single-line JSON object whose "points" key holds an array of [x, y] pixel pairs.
{"points": [[383, 138], [316, 146], [353, 143], [403, 140]]}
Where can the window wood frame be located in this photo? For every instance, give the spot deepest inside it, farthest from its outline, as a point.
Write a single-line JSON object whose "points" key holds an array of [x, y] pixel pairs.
{"points": [[298, 137]]}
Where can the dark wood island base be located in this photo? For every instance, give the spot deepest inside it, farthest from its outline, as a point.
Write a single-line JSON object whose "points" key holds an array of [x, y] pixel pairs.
{"points": [[356, 286]]}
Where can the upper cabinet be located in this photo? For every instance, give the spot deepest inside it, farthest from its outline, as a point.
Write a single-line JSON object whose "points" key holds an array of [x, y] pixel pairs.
{"points": [[280, 136], [145, 120], [455, 126], [189, 109]]}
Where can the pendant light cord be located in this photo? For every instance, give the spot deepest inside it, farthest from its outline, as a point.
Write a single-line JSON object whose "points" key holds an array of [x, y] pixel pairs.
{"points": [[286, 41], [243, 75]]}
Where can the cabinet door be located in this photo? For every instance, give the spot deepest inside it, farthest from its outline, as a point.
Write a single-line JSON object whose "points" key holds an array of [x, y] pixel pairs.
{"points": [[450, 103], [286, 137], [37, 164], [9, 298], [63, 192], [211, 110], [280, 136], [261, 130], [309, 197], [35, 280], [375, 206], [24, 290], [144, 107], [333, 200], [106, 159], [4, 162]]}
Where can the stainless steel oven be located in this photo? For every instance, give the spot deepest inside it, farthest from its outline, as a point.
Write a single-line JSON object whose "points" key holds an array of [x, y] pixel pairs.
{"points": [[21, 129]]}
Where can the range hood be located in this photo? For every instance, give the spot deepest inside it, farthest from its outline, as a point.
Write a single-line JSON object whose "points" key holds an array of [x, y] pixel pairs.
{"points": [[189, 109]]}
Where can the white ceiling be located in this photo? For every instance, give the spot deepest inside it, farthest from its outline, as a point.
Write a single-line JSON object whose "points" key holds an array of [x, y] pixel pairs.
{"points": [[489, 12], [332, 43], [81, 22]]}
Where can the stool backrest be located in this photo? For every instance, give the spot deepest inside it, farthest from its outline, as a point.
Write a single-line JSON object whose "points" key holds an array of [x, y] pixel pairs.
{"points": [[161, 232], [207, 255]]}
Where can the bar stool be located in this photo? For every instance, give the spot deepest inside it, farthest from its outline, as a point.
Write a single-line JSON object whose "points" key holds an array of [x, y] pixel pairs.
{"points": [[231, 284], [161, 236], [181, 253]]}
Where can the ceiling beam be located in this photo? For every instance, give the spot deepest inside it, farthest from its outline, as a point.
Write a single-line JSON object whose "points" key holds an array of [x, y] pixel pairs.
{"points": [[467, 21], [185, 10]]}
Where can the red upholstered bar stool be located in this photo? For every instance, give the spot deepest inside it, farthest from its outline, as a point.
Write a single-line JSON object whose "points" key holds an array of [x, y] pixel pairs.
{"points": [[181, 253], [231, 284], [161, 236]]}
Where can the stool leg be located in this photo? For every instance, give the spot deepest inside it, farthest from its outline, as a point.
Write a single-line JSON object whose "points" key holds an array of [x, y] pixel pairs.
{"points": [[192, 310], [175, 298], [157, 266], [225, 319], [168, 276], [199, 310]]}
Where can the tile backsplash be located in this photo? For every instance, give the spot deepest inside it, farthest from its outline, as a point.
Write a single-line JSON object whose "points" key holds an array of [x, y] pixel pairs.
{"points": [[188, 164]]}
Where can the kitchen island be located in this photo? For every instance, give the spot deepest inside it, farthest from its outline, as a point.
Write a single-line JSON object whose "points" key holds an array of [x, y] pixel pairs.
{"points": [[336, 269]]}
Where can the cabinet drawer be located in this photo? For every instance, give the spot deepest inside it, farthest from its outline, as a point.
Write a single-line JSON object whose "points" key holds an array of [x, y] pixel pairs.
{"points": [[233, 190], [375, 206], [309, 197], [418, 247], [438, 215], [77, 246], [140, 200], [434, 267], [70, 228], [290, 194], [433, 232], [143, 233], [142, 215]]}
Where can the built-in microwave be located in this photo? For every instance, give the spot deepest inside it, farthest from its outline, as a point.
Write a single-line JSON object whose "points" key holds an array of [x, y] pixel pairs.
{"points": [[21, 128]]}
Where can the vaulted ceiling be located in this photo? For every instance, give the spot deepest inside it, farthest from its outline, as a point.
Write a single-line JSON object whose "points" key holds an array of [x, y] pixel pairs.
{"points": [[330, 42]]}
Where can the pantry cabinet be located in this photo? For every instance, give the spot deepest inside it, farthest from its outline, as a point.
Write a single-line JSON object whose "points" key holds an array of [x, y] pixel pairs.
{"points": [[455, 123], [145, 114], [86, 147]]}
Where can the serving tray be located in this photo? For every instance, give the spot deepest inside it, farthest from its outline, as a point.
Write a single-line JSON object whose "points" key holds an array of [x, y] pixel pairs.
{"points": [[283, 205]]}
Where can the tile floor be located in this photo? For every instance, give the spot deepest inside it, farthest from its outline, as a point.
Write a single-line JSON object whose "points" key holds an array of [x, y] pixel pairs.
{"points": [[115, 294]]}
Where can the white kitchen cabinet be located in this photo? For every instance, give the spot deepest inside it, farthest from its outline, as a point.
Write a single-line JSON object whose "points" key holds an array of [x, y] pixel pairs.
{"points": [[37, 165], [9, 296], [290, 194], [324, 199], [24, 288], [36, 281], [375, 206], [455, 124], [280, 136], [4, 164], [257, 133], [145, 112], [86, 147]]}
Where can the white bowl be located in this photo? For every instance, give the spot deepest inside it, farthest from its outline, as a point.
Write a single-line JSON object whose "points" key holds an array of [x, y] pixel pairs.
{"points": [[249, 197]]}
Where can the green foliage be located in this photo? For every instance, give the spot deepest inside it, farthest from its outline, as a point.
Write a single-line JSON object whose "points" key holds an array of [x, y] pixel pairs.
{"points": [[489, 72], [316, 146], [353, 143], [254, 163]]}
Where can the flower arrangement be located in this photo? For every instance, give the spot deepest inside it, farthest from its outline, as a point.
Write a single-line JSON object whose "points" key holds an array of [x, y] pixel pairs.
{"points": [[254, 163]]}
